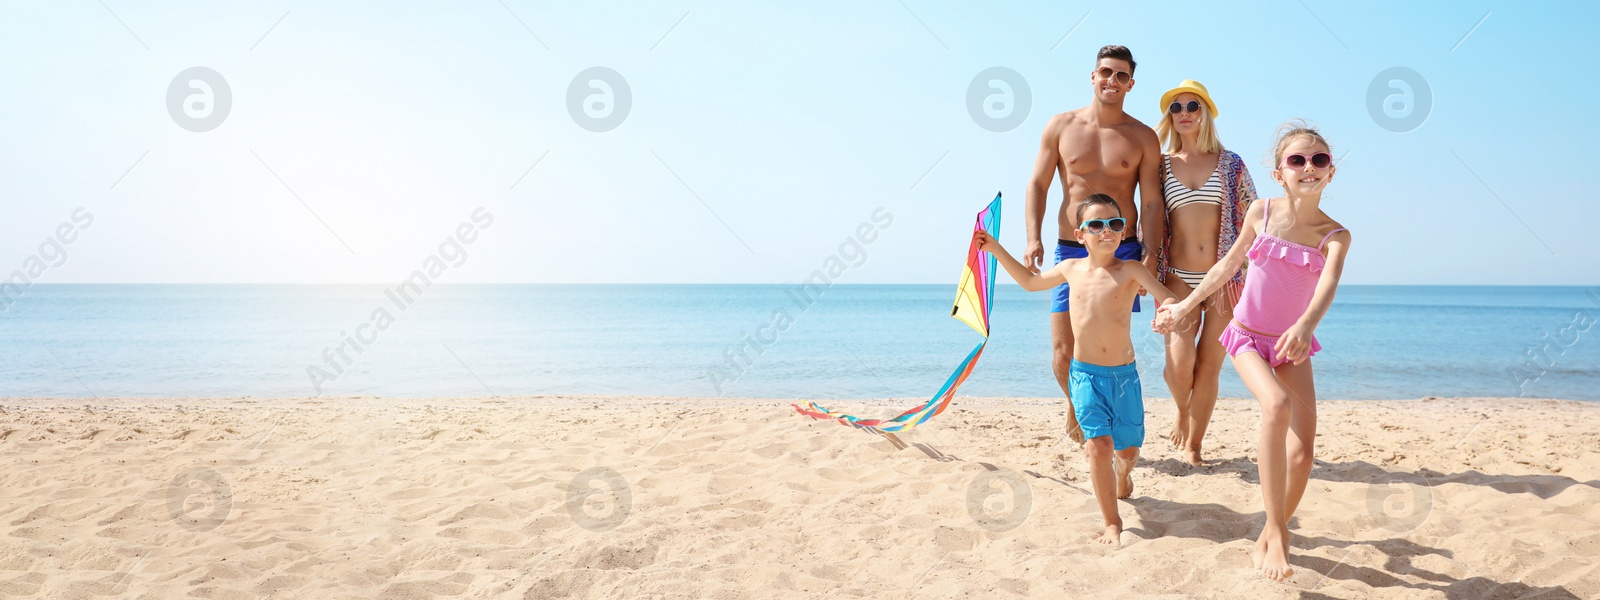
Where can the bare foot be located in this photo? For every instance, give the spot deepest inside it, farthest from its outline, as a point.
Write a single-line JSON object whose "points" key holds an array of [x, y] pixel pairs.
{"points": [[1124, 472], [1180, 431], [1193, 456], [1272, 553], [1112, 536]]}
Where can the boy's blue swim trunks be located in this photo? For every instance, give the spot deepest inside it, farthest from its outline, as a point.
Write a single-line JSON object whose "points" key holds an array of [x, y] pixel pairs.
{"points": [[1108, 401]]}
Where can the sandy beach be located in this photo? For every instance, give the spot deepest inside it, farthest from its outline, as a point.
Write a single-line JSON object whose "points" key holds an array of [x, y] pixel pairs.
{"points": [[637, 497]]}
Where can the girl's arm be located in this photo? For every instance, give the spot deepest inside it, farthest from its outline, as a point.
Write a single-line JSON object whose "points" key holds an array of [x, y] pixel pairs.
{"points": [[1219, 274], [1295, 343], [1029, 280]]}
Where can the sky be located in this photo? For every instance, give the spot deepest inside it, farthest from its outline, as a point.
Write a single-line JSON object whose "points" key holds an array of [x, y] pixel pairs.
{"points": [[754, 140]]}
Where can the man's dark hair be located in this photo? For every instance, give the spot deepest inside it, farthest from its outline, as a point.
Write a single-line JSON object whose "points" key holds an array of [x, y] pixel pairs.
{"points": [[1119, 53], [1098, 200]]}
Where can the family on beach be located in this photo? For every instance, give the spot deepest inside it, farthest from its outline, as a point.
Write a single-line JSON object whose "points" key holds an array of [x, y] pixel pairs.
{"points": [[1199, 226]]}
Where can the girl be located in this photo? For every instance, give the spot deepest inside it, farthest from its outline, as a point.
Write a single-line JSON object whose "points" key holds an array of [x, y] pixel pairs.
{"points": [[1207, 189], [1296, 255]]}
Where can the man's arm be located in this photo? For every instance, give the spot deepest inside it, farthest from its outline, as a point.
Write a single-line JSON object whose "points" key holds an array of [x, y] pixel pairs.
{"points": [[1044, 173], [1152, 201]]}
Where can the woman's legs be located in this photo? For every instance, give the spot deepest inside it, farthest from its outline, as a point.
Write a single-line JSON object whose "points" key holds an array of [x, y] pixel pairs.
{"points": [[1272, 548], [1301, 442], [1179, 371], [1207, 368]]}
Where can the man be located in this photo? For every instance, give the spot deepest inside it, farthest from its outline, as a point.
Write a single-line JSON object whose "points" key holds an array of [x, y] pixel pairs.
{"points": [[1098, 149]]}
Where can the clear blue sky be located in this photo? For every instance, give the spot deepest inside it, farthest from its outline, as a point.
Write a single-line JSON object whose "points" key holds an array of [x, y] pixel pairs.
{"points": [[392, 121]]}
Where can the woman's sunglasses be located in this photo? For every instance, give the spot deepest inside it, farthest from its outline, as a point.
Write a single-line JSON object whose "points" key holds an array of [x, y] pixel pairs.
{"points": [[1192, 106], [1122, 77], [1320, 160], [1097, 226]]}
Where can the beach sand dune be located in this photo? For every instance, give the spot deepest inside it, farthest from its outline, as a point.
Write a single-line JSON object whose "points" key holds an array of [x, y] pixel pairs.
{"points": [[628, 497]]}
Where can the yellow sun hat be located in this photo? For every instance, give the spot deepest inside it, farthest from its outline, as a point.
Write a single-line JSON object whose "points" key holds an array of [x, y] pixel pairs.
{"points": [[1193, 87]]}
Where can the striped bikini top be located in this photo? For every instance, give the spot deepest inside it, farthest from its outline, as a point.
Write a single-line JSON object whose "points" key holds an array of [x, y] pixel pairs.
{"points": [[1282, 279], [1179, 195]]}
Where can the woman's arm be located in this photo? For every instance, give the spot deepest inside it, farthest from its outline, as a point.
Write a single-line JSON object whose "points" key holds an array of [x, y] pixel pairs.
{"points": [[1221, 272], [1295, 343], [1029, 280]]}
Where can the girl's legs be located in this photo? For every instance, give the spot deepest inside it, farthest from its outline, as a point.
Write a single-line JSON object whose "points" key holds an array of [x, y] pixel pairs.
{"points": [[1179, 371], [1272, 548], [1207, 368], [1297, 379]]}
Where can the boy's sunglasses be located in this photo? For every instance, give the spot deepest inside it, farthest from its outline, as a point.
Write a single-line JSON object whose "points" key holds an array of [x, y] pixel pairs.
{"points": [[1192, 106], [1101, 225], [1320, 160], [1122, 77]]}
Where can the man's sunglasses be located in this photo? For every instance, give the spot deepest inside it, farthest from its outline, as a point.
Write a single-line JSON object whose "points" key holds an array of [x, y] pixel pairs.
{"points": [[1122, 77], [1192, 106], [1097, 226], [1320, 160]]}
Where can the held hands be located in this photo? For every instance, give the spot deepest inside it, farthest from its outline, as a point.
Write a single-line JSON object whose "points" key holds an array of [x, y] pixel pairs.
{"points": [[1168, 315], [1294, 344]]}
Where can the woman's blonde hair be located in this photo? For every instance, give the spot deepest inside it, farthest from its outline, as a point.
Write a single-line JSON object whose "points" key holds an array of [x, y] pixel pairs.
{"points": [[1207, 138]]}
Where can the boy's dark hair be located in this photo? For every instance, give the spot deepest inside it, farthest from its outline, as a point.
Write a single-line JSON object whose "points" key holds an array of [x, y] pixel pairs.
{"points": [[1119, 53], [1098, 200]]}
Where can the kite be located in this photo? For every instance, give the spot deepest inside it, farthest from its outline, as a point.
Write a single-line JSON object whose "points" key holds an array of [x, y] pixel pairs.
{"points": [[974, 299]]}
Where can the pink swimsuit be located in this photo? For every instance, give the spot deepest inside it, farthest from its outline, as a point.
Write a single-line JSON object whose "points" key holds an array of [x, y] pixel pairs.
{"points": [[1276, 293]]}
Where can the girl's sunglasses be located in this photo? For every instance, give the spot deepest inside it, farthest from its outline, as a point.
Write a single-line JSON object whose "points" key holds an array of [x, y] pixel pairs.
{"points": [[1192, 106], [1320, 160], [1098, 226], [1122, 77]]}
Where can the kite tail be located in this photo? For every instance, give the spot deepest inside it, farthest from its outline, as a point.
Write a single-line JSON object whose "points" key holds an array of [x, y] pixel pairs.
{"points": [[909, 419]]}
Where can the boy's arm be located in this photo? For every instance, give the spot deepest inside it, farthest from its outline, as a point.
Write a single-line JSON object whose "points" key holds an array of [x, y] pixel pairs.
{"points": [[1029, 280], [1149, 282]]}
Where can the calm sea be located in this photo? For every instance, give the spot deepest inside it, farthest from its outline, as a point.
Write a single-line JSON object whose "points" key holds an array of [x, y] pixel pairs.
{"points": [[855, 341]]}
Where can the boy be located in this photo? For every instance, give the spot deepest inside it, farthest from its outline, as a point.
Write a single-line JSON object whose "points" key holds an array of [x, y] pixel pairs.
{"points": [[1105, 391]]}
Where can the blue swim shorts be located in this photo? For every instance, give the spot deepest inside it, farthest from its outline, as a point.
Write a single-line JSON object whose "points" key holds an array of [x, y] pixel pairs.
{"points": [[1065, 249], [1108, 401]]}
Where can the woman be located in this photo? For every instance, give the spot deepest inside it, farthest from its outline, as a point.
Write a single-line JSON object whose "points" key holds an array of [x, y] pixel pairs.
{"points": [[1207, 189]]}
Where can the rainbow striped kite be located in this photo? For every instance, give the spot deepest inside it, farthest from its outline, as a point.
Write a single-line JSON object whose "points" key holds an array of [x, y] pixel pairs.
{"points": [[973, 301]]}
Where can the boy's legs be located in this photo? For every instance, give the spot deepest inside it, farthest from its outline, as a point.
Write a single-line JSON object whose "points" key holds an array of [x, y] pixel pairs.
{"points": [[1103, 476], [1127, 458]]}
